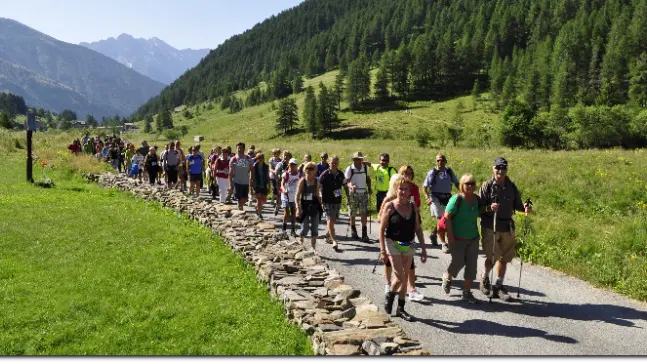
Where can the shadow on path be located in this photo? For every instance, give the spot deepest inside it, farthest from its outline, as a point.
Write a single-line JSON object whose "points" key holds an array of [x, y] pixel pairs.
{"points": [[484, 327]]}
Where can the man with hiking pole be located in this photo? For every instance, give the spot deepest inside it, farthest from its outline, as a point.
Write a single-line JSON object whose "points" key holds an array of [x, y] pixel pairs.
{"points": [[438, 191], [501, 198]]}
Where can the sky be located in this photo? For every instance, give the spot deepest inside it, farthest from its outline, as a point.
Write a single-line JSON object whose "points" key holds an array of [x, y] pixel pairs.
{"points": [[181, 23]]}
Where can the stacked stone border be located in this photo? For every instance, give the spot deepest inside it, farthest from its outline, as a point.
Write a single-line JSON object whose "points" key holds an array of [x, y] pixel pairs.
{"points": [[337, 318]]}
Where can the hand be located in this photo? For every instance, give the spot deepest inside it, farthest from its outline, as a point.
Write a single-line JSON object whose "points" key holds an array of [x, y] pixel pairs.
{"points": [[383, 257], [428, 200], [423, 256], [298, 211], [494, 207], [352, 188], [528, 208]]}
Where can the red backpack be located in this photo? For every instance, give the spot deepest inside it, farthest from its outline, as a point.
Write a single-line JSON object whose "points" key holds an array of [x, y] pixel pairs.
{"points": [[442, 224]]}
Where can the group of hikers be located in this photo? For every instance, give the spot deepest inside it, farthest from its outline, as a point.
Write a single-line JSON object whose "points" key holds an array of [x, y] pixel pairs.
{"points": [[308, 191]]}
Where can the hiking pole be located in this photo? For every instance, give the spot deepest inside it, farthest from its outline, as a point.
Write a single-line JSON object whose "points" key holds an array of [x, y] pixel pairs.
{"points": [[496, 200], [378, 261], [525, 230]]}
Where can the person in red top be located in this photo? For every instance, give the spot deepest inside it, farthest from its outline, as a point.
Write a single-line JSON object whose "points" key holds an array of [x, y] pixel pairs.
{"points": [[413, 293], [221, 169], [75, 147]]}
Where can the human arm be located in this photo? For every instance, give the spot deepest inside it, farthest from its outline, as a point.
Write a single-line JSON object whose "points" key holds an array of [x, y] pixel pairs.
{"points": [[348, 182], [426, 187], [299, 193], [384, 222], [384, 203], [251, 179], [232, 170]]}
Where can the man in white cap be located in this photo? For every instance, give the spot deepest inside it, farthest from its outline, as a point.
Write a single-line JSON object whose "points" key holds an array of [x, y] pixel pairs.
{"points": [[359, 187]]}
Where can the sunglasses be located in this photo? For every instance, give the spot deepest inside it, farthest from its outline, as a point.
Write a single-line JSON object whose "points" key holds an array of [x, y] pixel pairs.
{"points": [[441, 160], [473, 184], [501, 168], [310, 169]]}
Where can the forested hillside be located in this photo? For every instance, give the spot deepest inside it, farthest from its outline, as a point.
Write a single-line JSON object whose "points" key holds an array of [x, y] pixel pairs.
{"points": [[549, 55]]}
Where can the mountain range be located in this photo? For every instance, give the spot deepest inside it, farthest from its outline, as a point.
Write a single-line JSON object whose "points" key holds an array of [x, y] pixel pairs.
{"points": [[151, 57], [56, 75]]}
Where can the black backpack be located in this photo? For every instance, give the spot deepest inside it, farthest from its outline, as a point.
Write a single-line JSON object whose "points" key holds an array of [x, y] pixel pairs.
{"points": [[435, 172]]}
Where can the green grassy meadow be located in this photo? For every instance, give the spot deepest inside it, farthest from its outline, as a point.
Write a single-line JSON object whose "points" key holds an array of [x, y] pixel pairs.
{"points": [[91, 271]]}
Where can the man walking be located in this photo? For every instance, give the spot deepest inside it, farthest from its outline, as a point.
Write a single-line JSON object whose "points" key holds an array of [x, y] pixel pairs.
{"points": [[239, 167], [332, 181], [359, 187], [500, 197], [383, 173], [171, 162], [438, 191]]}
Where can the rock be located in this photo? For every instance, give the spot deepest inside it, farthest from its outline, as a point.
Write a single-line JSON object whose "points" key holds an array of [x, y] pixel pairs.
{"points": [[349, 314], [307, 262], [350, 324], [290, 281], [388, 348], [404, 341], [371, 315], [308, 329], [328, 328], [303, 255], [373, 324], [415, 352], [344, 349], [293, 296], [343, 295], [320, 292], [360, 301], [342, 288], [340, 321], [366, 308], [371, 348]]}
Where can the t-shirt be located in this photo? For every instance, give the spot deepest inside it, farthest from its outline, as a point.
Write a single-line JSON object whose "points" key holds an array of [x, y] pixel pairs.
{"points": [[464, 224], [222, 167], [415, 193], [129, 155], [321, 167], [240, 167], [195, 164], [443, 182], [358, 177], [331, 186], [279, 169], [291, 185], [261, 175], [383, 176], [138, 159], [273, 163], [172, 158]]}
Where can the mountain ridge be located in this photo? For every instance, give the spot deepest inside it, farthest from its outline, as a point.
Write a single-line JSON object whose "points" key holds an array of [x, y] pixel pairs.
{"points": [[151, 57]]}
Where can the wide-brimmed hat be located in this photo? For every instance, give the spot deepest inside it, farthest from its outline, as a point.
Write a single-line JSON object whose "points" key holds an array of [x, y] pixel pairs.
{"points": [[358, 155]]}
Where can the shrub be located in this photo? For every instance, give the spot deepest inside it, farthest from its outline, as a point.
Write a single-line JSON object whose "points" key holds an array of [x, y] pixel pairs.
{"points": [[422, 137]]}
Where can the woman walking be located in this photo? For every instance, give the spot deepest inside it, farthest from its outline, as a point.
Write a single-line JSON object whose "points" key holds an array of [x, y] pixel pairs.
{"points": [[151, 165], [221, 167], [309, 206], [462, 231], [398, 227]]}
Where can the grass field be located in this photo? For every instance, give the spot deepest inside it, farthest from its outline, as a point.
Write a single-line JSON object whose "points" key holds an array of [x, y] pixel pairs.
{"points": [[91, 271]]}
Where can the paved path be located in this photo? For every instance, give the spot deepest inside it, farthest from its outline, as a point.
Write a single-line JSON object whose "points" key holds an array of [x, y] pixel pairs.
{"points": [[556, 314]]}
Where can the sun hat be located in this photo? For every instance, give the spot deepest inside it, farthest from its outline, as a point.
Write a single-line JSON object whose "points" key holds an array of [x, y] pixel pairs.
{"points": [[358, 155]]}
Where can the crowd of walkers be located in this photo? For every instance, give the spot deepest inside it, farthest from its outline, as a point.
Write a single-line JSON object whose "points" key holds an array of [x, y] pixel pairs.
{"points": [[309, 191]]}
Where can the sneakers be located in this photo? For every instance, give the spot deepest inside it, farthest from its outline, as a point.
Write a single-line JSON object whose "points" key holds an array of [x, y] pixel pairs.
{"points": [[500, 292], [445, 248], [335, 247], [294, 233], [446, 285], [415, 296], [469, 297], [387, 288], [485, 284], [328, 239]]}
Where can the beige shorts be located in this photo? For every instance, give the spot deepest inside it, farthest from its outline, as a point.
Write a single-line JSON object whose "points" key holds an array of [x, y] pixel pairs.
{"points": [[391, 250], [504, 248]]}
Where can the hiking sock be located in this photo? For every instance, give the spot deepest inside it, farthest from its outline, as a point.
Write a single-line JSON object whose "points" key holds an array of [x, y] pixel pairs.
{"points": [[285, 226], [388, 304], [499, 282]]}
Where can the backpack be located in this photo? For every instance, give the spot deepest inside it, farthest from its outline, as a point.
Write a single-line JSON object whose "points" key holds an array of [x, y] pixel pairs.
{"points": [[442, 224], [435, 172], [352, 172]]}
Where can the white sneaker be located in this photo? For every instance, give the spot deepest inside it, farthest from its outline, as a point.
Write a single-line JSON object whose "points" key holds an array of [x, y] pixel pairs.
{"points": [[387, 288], [415, 296]]}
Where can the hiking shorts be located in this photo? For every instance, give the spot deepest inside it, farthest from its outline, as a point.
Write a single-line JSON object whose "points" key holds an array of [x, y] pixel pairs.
{"points": [[358, 204], [392, 251], [437, 208], [171, 173], [413, 263], [379, 198], [275, 187], [465, 253], [241, 191], [195, 177], [332, 210], [261, 191], [285, 204], [504, 248]]}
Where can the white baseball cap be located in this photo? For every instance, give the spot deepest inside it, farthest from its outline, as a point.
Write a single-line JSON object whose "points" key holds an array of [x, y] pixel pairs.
{"points": [[293, 161]]}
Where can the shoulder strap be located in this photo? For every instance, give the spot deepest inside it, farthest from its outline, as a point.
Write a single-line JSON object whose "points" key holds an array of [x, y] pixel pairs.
{"points": [[434, 173]]}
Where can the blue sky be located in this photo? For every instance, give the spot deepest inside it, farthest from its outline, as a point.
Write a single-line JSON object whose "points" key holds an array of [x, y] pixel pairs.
{"points": [[180, 23]]}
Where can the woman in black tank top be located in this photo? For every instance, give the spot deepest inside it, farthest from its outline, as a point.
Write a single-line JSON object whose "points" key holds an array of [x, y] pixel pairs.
{"points": [[398, 227], [309, 206]]}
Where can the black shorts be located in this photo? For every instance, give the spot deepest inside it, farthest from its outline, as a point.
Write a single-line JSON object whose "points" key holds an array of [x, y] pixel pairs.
{"points": [[241, 191], [195, 177], [413, 263], [261, 191], [171, 174]]}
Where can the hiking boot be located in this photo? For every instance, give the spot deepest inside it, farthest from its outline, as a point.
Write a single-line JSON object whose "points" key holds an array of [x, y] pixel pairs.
{"points": [[447, 284], [335, 247], [388, 304], [276, 210], [401, 313], [294, 233], [353, 233], [500, 292], [364, 235], [469, 297], [433, 238], [329, 239], [485, 284], [445, 248]]}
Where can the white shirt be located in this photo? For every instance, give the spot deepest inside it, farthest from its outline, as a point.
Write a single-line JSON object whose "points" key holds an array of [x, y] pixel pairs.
{"points": [[359, 177]]}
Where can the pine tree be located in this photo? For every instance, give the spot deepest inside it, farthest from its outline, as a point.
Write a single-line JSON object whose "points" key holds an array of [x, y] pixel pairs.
{"points": [[402, 61], [5, 121], [297, 83], [339, 89], [326, 115], [310, 111], [381, 85], [359, 83], [287, 115], [159, 122], [508, 91], [167, 119], [638, 81], [148, 120]]}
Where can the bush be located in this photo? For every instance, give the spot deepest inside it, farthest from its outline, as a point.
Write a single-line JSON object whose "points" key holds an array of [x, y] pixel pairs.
{"points": [[172, 134], [515, 126], [422, 137]]}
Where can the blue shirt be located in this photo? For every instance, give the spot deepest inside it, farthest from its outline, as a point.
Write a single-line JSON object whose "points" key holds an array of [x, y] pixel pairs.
{"points": [[321, 168], [195, 164]]}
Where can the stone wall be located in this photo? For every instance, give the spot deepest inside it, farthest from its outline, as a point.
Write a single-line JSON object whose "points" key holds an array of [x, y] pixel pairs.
{"points": [[338, 319]]}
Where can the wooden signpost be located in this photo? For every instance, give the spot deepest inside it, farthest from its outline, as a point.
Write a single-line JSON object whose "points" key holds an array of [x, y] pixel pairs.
{"points": [[30, 126]]}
